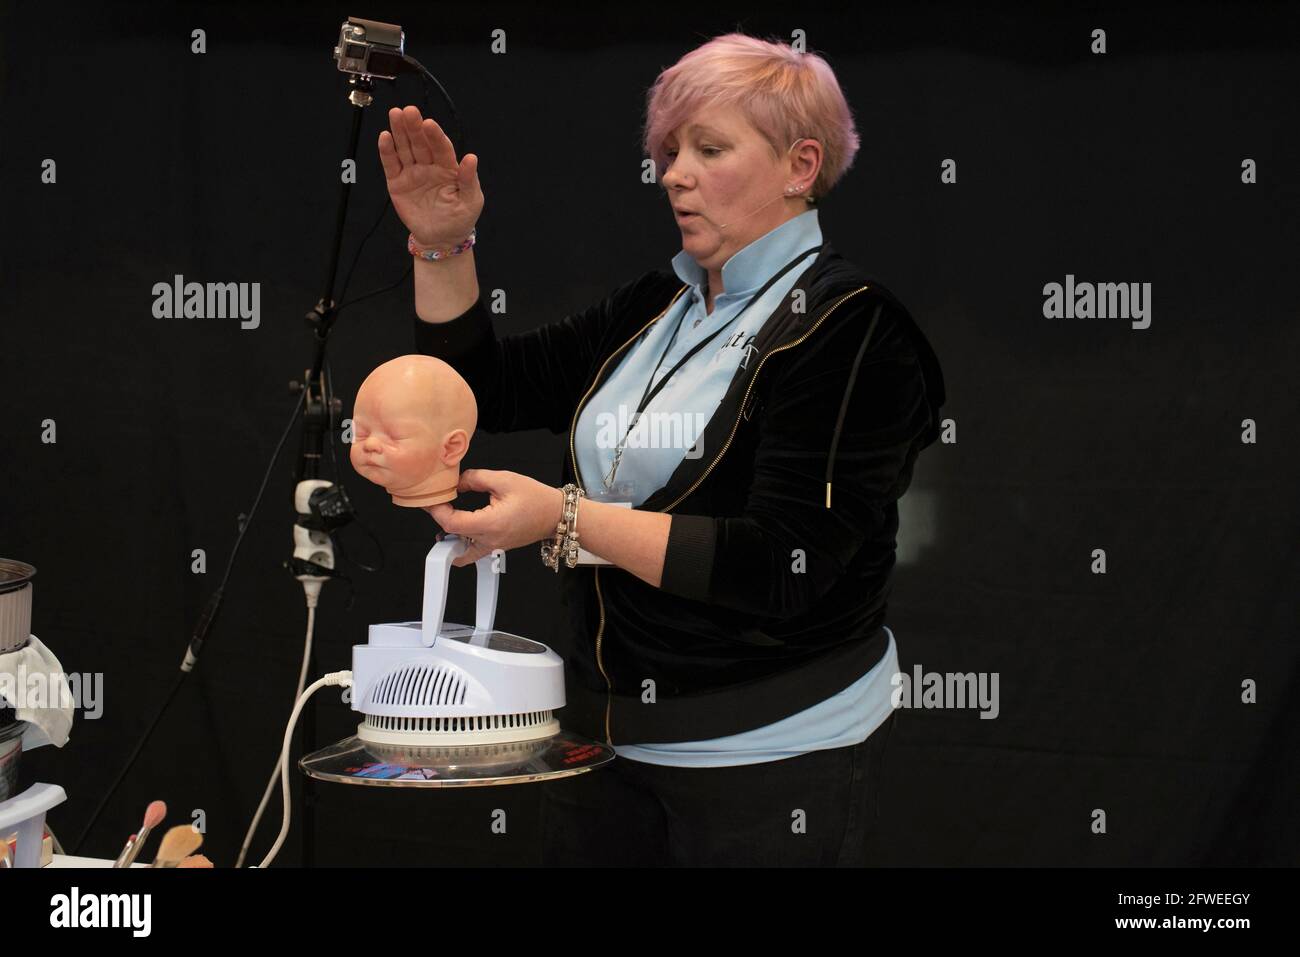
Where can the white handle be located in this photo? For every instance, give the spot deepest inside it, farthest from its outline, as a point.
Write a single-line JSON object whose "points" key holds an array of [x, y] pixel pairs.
{"points": [[437, 574], [26, 815]]}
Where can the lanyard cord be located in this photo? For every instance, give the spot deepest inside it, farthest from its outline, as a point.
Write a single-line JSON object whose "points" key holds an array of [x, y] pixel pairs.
{"points": [[648, 394]]}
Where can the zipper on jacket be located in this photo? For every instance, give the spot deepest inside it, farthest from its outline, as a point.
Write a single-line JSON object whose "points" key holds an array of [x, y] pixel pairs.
{"points": [[573, 456], [600, 629], [600, 637], [745, 399]]}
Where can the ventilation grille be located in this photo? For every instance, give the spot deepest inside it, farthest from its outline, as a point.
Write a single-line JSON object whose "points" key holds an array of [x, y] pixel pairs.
{"points": [[481, 722], [422, 686]]}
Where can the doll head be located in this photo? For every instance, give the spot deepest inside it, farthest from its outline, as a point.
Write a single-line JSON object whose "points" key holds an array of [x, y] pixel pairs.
{"points": [[412, 422]]}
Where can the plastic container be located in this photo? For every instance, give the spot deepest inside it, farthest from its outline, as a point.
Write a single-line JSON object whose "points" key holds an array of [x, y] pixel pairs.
{"points": [[15, 604], [11, 748]]}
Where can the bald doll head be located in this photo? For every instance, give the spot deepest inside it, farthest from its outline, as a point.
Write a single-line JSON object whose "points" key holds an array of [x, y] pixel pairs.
{"points": [[412, 422]]}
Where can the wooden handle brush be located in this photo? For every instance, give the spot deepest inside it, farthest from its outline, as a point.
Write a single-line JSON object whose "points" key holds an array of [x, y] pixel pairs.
{"points": [[177, 844]]}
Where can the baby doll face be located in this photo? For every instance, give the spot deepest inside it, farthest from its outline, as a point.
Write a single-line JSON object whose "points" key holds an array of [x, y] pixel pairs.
{"points": [[412, 421], [392, 447]]}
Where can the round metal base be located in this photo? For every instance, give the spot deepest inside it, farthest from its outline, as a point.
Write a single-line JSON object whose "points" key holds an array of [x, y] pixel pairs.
{"points": [[353, 761]]}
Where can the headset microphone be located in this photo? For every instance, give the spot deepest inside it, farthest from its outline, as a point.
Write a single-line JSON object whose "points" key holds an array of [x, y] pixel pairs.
{"points": [[722, 226]]}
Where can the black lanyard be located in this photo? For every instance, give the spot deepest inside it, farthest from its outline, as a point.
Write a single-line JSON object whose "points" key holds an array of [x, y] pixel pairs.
{"points": [[648, 394]]}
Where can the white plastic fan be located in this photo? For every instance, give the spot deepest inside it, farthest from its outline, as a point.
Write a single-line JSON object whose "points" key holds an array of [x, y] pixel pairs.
{"points": [[430, 683]]}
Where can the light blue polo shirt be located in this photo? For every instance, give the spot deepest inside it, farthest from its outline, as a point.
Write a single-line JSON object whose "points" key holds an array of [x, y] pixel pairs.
{"points": [[661, 438]]}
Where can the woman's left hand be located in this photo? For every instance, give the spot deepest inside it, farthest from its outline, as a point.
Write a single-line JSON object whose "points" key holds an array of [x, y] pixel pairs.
{"points": [[521, 511]]}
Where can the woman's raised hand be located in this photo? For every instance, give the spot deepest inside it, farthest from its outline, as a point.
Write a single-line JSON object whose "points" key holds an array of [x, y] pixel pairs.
{"points": [[437, 198]]}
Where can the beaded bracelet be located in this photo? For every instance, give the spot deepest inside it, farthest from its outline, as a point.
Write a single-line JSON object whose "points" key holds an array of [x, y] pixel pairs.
{"points": [[431, 254], [566, 532]]}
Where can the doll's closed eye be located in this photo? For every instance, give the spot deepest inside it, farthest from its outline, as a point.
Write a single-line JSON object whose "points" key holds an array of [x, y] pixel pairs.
{"points": [[361, 432]]}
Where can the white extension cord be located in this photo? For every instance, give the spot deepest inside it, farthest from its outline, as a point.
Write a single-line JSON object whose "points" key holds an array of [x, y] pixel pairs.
{"points": [[335, 678], [312, 591]]}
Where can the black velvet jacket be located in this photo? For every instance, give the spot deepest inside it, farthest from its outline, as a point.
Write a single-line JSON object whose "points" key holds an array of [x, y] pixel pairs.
{"points": [[782, 540]]}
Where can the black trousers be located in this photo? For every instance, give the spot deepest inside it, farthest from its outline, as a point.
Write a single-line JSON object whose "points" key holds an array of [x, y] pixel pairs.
{"points": [[815, 810]]}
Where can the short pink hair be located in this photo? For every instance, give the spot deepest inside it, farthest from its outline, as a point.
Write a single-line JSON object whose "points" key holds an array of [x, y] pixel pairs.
{"points": [[783, 93]]}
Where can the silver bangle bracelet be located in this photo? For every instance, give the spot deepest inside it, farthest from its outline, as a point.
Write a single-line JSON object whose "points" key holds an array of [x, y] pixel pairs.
{"points": [[565, 543]]}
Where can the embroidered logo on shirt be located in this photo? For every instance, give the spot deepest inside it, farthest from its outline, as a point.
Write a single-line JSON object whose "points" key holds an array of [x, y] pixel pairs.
{"points": [[740, 340]]}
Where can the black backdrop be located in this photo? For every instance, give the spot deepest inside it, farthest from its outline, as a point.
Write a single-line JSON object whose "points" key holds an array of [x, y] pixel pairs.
{"points": [[1119, 691]]}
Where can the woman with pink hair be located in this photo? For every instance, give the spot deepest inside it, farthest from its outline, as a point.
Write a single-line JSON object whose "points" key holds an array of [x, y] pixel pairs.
{"points": [[740, 429]]}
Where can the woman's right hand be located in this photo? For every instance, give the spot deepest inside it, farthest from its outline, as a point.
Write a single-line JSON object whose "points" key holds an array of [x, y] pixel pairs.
{"points": [[437, 198]]}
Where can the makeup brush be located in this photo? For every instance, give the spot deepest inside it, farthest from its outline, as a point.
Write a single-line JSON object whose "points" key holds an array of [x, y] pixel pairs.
{"points": [[153, 816], [177, 844], [126, 849]]}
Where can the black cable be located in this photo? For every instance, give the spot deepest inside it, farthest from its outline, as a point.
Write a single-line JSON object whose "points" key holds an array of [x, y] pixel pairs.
{"points": [[338, 480], [455, 116], [343, 553], [426, 77], [130, 762], [347, 280], [206, 619], [266, 477], [208, 615], [328, 392], [383, 289]]}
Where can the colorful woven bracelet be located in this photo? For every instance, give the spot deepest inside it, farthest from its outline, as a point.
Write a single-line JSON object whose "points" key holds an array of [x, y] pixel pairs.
{"points": [[431, 254]]}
